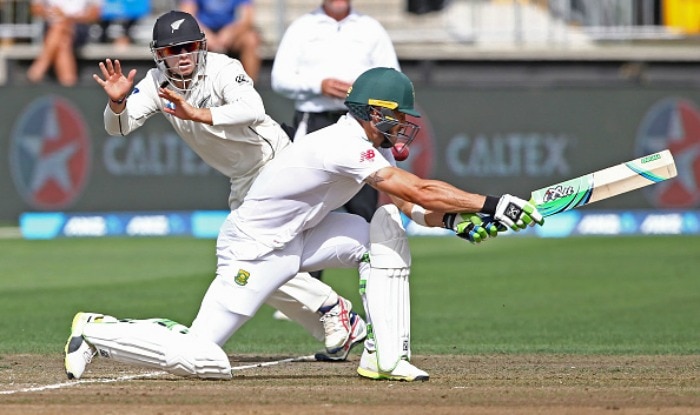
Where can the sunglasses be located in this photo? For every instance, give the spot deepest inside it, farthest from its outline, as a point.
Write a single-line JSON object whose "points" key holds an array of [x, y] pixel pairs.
{"points": [[174, 50]]}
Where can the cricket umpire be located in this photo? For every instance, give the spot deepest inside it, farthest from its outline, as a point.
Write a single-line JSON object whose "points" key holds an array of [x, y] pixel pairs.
{"points": [[319, 57]]}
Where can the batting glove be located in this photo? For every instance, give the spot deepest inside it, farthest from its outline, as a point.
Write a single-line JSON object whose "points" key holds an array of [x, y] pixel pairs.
{"points": [[492, 226], [513, 212], [472, 226]]}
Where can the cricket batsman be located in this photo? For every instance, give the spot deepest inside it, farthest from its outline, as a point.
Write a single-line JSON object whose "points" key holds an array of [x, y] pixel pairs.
{"points": [[288, 224]]}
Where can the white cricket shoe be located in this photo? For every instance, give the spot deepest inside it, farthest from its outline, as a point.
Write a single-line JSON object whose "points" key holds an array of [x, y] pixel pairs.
{"points": [[404, 371], [337, 326], [79, 353], [357, 334]]}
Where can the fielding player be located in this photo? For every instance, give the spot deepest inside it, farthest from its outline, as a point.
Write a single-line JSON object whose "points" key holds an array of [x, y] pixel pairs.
{"points": [[212, 105], [287, 224]]}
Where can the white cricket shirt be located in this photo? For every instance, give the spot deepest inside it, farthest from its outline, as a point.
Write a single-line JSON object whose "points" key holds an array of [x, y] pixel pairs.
{"points": [[316, 47], [305, 182], [241, 141]]}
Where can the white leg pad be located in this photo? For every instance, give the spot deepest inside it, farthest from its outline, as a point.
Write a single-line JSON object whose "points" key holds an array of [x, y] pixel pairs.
{"points": [[386, 290], [159, 344]]}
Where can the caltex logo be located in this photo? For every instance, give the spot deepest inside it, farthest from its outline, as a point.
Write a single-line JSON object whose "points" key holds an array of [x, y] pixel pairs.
{"points": [[674, 123], [50, 153]]}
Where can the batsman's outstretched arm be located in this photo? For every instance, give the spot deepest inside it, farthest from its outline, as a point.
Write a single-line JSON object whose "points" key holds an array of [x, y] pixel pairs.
{"points": [[434, 195], [439, 197]]}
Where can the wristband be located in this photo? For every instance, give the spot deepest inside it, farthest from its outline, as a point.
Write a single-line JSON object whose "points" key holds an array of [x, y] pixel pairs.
{"points": [[490, 205], [418, 215], [120, 101], [448, 220]]}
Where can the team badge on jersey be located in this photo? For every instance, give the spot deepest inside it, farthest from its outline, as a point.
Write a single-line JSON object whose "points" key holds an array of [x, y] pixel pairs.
{"points": [[242, 277], [50, 153]]}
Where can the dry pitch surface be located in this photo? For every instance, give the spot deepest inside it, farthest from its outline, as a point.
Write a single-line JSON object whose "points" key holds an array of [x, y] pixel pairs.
{"points": [[501, 384]]}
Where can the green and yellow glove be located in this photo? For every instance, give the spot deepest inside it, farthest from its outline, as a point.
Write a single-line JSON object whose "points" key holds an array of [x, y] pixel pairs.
{"points": [[473, 227]]}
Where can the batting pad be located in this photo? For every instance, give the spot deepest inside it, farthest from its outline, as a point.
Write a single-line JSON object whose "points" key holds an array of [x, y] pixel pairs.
{"points": [[387, 289], [388, 242], [152, 344]]}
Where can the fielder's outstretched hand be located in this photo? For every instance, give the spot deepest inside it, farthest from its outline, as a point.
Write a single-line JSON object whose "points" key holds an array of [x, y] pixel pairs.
{"points": [[473, 227], [177, 105], [115, 84], [517, 213]]}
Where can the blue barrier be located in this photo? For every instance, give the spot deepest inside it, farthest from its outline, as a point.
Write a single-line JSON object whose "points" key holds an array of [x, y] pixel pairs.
{"points": [[205, 224]]}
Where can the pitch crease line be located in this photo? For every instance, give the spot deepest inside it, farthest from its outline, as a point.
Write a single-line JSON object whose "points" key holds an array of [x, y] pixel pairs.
{"points": [[62, 385], [81, 382]]}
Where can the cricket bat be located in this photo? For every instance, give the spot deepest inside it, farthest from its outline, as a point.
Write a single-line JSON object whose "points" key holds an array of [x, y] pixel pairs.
{"points": [[605, 183]]}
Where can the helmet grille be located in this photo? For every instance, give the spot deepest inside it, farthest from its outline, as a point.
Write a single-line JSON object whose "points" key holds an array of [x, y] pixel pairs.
{"points": [[359, 111]]}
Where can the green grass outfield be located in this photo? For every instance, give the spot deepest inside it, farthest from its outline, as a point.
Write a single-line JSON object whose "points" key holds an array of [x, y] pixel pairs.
{"points": [[621, 295]]}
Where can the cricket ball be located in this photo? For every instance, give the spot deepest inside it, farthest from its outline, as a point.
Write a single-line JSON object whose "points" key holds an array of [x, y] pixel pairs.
{"points": [[400, 152]]}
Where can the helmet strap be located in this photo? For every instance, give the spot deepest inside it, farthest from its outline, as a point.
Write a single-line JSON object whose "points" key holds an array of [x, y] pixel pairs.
{"points": [[386, 143]]}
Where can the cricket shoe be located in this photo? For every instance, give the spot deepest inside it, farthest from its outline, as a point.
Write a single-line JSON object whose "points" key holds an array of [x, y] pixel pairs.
{"points": [[79, 353], [357, 336], [336, 325], [404, 371]]}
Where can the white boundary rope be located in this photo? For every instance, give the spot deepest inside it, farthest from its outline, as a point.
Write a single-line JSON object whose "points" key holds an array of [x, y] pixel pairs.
{"points": [[309, 358]]}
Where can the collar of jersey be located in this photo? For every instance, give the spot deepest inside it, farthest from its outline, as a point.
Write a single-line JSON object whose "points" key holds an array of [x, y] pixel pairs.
{"points": [[350, 123]]}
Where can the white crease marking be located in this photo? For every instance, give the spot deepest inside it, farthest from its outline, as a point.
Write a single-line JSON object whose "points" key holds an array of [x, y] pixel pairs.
{"points": [[62, 385]]}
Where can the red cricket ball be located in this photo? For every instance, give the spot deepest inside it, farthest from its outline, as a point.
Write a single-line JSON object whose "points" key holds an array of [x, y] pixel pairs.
{"points": [[399, 151]]}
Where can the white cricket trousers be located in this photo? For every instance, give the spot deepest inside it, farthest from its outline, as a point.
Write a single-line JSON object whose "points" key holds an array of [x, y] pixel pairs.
{"points": [[242, 286]]}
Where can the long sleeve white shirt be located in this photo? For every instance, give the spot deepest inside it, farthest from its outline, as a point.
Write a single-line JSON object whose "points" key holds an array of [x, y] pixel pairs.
{"points": [[316, 47], [242, 139]]}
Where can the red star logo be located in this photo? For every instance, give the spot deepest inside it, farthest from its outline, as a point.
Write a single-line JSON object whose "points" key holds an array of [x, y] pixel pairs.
{"points": [[675, 124], [52, 153]]}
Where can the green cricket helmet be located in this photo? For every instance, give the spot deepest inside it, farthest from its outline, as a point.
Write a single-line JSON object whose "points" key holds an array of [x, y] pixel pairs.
{"points": [[381, 87], [382, 91]]}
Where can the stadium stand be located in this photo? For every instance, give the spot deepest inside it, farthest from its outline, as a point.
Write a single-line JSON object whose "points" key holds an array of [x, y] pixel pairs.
{"points": [[464, 30]]}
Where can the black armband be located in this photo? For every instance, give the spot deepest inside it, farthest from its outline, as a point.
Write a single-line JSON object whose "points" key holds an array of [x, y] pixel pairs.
{"points": [[490, 205], [118, 101], [448, 220]]}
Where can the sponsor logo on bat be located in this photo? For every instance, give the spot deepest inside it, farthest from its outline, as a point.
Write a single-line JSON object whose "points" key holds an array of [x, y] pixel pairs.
{"points": [[652, 157], [558, 192]]}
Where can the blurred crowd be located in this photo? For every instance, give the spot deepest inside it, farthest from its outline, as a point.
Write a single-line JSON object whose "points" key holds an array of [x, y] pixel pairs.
{"points": [[63, 26], [67, 25]]}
